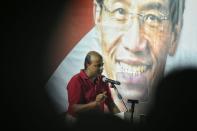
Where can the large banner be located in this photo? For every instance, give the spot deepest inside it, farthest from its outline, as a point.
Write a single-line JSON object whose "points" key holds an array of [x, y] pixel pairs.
{"points": [[140, 41]]}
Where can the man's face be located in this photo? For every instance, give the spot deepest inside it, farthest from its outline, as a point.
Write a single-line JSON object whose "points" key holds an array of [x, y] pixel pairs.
{"points": [[136, 37], [96, 66]]}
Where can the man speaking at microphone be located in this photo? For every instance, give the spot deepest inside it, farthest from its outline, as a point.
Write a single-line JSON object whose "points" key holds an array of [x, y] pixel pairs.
{"points": [[87, 90]]}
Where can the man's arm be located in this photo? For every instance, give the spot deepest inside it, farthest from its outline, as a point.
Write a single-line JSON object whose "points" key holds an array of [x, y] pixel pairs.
{"points": [[91, 105], [84, 107]]}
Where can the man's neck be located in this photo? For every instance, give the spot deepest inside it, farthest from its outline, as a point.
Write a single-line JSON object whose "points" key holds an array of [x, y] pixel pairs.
{"points": [[92, 78]]}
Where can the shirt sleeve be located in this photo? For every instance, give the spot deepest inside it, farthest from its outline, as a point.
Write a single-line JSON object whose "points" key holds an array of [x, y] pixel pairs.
{"points": [[74, 93]]}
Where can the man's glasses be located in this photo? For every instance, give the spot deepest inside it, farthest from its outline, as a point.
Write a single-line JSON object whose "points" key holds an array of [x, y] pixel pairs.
{"points": [[148, 18]]}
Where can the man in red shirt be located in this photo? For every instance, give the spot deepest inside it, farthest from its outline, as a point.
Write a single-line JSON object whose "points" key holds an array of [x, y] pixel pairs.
{"points": [[87, 91]]}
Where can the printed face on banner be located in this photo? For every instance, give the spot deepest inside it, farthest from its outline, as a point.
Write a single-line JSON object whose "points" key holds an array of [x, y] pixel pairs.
{"points": [[136, 38]]}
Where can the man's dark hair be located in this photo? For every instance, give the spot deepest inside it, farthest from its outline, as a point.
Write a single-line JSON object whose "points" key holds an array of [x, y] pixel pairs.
{"points": [[88, 57], [100, 2], [87, 60], [176, 11]]}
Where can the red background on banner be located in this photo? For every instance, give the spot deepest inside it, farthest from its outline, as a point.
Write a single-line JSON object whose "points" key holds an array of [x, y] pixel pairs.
{"points": [[75, 22]]}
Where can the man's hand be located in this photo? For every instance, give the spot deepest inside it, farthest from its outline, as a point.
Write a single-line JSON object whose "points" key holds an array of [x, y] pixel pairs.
{"points": [[101, 97], [92, 105]]}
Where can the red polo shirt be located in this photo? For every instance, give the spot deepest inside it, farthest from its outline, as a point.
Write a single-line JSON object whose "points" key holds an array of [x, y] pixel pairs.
{"points": [[81, 90]]}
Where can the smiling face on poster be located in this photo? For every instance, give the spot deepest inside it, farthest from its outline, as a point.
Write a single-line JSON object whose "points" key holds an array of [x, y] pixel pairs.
{"points": [[136, 38]]}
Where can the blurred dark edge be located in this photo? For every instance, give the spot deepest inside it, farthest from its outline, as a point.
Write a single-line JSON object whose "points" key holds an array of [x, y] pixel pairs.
{"points": [[27, 28]]}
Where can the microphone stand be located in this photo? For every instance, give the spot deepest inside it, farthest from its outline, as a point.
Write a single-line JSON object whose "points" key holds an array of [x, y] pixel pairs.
{"points": [[133, 102], [119, 96]]}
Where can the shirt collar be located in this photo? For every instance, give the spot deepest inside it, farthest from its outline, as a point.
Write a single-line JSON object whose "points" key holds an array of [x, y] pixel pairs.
{"points": [[83, 74]]}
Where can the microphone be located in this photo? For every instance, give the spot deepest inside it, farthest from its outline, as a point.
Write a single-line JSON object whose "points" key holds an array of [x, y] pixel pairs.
{"points": [[110, 81]]}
